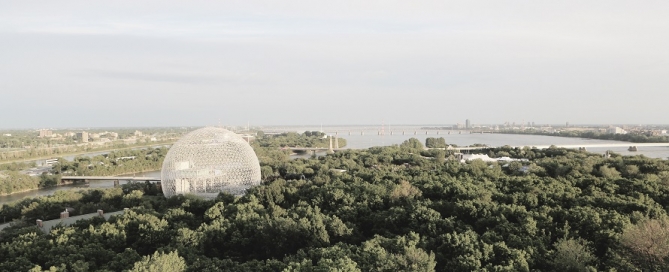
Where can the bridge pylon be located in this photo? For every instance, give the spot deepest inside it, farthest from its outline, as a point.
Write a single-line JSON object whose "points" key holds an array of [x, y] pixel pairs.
{"points": [[330, 150]]}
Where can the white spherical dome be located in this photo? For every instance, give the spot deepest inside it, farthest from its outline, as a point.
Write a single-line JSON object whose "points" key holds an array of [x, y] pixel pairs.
{"points": [[208, 161]]}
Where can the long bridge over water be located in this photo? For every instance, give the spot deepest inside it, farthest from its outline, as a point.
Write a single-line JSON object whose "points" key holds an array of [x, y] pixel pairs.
{"points": [[397, 132]]}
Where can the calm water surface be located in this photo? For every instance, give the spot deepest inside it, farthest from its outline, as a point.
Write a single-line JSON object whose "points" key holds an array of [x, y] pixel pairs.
{"points": [[367, 136], [496, 140]]}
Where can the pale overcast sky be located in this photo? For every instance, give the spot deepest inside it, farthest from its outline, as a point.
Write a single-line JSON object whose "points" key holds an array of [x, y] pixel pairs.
{"points": [[174, 63]]}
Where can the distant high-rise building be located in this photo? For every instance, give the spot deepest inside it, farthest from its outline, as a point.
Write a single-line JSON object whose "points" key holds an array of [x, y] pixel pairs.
{"points": [[567, 125], [45, 133], [83, 136], [468, 124]]}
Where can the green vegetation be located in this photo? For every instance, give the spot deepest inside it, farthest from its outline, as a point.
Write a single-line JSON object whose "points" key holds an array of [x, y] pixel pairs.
{"points": [[16, 166], [396, 208], [14, 182], [630, 137], [114, 163], [435, 142], [160, 262], [292, 139], [24, 145]]}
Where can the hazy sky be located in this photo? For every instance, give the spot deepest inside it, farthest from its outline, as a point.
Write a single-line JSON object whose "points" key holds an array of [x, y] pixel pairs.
{"points": [[174, 63]]}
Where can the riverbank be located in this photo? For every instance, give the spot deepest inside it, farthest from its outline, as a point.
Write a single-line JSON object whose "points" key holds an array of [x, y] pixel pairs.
{"points": [[25, 191], [42, 188], [94, 184], [594, 135], [62, 184]]}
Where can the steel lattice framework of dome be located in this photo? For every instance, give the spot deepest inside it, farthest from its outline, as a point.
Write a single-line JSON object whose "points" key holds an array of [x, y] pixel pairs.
{"points": [[208, 161]]}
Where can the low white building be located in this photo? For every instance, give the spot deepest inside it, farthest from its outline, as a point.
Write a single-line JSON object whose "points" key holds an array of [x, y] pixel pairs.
{"points": [[616, 130], [484, 157], [470, 157]]}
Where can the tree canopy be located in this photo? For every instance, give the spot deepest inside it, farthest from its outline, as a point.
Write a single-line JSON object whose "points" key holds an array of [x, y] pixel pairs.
{"points": [[391, 210]]}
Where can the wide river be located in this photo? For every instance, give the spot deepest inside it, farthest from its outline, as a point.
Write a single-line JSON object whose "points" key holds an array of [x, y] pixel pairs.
{"points": [[361, 137]]}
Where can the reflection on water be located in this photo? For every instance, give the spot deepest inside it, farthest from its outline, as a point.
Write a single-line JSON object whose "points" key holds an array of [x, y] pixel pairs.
{"points": [[496, 140]]}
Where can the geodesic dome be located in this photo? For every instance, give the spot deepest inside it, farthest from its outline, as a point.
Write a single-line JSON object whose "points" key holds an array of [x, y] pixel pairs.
{"points": [[208, 161]]}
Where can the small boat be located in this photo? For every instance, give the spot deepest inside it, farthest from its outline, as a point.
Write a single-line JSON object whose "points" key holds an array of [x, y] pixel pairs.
{"points": [[632, 148]]}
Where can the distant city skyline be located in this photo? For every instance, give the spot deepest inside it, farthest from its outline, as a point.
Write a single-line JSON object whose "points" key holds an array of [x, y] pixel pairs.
{"points": [[172, 63], [387, 126], [462, 124]]}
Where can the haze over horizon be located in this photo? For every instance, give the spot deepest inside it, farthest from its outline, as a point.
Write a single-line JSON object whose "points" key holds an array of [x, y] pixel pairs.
{"points": [[171, 63]]}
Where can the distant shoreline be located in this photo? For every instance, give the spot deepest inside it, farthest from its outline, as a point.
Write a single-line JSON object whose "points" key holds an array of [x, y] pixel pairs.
{"points": [[24, 191], [84, 152]]}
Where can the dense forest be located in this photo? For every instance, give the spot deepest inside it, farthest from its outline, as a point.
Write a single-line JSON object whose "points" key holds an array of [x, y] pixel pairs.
{"points": [[397, 208], [629, 137]]}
